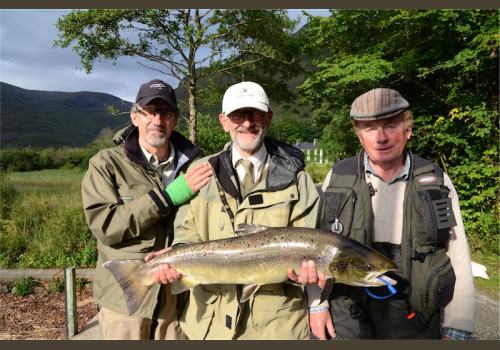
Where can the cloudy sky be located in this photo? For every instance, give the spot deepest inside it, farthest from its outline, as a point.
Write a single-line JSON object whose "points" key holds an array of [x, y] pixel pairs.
{"points": [[28, 59]]}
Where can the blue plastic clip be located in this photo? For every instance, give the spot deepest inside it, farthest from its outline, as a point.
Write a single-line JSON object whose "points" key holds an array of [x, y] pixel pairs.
{"points": [[391, 289]]}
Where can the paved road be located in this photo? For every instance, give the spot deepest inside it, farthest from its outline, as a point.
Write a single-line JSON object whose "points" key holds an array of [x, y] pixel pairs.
{"points": [[487, 320]]}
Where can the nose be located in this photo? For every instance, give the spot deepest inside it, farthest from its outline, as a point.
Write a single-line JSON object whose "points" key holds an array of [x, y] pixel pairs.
{"points": [[381, 135], [157, 120], [248, 121]]}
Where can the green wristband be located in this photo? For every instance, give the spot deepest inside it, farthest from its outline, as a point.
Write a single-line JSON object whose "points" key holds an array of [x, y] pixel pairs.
{"points": [[179, 191]]}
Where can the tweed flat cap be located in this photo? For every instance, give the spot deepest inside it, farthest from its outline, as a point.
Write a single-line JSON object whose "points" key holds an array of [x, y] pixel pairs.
{"points": [[377, 104]]}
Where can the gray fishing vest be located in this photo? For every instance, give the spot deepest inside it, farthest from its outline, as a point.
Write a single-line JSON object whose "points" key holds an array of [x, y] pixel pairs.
{"points": [[428, 218]]}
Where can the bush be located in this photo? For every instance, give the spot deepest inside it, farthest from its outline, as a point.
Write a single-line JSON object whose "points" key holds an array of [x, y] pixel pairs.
{"points": [[25, 286], [318, 171]]}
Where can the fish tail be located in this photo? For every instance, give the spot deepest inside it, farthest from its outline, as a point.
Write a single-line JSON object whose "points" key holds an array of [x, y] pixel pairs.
{"points": [[134, 288]]}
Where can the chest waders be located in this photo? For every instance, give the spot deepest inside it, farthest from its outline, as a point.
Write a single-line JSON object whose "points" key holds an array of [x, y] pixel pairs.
{"points": [[425, 276]]}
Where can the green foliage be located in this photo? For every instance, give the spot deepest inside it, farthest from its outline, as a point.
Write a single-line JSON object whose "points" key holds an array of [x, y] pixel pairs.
{"points": [[466, 144], [48, 230], [437, 59], [291, 129], [318, 171], [25, 286], [211, 135], [57, 285]]}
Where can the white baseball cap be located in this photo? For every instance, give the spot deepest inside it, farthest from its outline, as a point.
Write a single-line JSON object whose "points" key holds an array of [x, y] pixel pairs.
{"points": [[245, 94]]}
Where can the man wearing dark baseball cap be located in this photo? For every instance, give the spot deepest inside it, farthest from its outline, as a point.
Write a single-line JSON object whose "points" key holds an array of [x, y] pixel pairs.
{"points": [[130, 195], [406, 208]]}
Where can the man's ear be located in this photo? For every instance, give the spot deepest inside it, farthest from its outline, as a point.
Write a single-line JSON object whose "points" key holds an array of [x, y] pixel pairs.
{"points": [[133, 117], [408, 132], [223, 121], [269, 118]]}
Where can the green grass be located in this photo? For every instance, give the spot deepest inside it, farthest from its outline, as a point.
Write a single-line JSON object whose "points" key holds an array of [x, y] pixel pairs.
{"points": [[45, 225], [47, 182], [490, 287]]}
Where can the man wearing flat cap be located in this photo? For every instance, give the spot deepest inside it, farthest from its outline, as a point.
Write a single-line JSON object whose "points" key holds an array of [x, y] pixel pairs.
{"points": [[131, 193], [406, 208]]}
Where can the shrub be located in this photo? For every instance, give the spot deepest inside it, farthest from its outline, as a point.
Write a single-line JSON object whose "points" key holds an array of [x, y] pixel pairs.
{"points": [[25, 286], [318, 171]]}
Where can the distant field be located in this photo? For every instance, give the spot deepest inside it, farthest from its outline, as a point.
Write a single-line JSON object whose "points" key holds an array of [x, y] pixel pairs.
{"points": [[48, 181]]}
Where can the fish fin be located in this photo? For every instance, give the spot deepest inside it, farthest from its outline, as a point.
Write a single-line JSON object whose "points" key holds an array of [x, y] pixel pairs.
{"points": [[248, 229], [325, 292], [248, 291], [134, 288], [182, 285]]}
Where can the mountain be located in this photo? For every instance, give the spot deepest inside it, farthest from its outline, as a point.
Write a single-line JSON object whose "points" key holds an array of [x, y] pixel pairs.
{"points": [[42, 119]]}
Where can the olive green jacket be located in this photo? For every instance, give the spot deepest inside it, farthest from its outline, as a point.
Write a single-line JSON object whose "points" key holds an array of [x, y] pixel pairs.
{"points": [[285, 197], [128, 211]]}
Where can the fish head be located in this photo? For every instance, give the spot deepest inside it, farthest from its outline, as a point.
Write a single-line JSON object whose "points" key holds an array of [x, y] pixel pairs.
{"points": [[362, 267]]}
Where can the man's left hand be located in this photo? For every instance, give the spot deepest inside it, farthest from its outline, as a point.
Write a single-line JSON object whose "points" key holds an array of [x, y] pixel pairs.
{"points": [[308, 274]]}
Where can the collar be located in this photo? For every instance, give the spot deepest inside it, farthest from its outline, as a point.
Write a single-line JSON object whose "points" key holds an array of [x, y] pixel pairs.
{"points": [[403, 175], [258, 160], [155, 161]]}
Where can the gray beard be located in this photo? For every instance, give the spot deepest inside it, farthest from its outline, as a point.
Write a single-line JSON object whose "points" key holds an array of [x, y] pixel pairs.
{"points": [[253, 146], [156, 141]]}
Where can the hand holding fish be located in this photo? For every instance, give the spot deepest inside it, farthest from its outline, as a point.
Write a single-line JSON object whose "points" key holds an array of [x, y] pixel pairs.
{"points": [[308, 274], [164, 273]]}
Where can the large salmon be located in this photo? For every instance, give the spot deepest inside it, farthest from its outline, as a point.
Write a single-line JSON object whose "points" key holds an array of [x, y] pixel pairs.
{"points": [[259, 255]]}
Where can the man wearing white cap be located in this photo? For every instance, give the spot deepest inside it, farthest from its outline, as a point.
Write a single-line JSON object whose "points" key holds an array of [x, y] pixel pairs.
{"points": [[273, 190]]}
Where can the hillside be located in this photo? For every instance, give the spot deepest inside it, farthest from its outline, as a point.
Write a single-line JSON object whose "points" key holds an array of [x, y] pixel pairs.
{"points": [[41, 119]]}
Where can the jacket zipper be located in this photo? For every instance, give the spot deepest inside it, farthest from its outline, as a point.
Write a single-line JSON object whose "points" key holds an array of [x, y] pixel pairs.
{"points": [[433, 275]]}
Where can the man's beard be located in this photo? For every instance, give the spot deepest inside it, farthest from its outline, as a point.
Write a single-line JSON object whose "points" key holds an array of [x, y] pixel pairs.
{"points": [[248, 147], [156, 140]]}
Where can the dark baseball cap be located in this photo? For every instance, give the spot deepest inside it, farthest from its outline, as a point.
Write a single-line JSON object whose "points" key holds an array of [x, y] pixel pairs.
{"points": [[378, 104], [156, 89]]}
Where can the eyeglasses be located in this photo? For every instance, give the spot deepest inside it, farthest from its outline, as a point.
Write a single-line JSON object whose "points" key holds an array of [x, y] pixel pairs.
{"points": [[239, 116], [150, 112]]}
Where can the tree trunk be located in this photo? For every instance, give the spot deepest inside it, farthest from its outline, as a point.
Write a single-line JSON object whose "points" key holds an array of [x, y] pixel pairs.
{"points": [[192, 107]]}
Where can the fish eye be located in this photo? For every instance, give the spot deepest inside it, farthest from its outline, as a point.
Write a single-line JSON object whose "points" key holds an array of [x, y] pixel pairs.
{"points": [[369, 267]]}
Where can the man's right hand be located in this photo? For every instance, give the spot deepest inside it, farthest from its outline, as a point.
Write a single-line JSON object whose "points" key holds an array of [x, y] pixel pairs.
{"points": [[319, 321], [164, 273]]}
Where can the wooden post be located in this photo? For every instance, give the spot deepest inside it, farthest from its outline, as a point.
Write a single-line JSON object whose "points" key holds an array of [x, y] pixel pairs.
{"points": [[70, 301]]}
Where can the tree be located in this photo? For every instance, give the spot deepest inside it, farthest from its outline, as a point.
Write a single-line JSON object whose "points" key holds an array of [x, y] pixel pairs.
{"points": [[183, 43]]}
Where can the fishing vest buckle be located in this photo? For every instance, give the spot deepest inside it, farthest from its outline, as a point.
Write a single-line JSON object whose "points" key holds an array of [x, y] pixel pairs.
{"points": [[421, 256]]}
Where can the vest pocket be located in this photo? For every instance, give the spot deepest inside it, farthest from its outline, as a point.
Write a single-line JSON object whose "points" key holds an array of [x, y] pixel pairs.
{"points": [[338, 209], [433, 216], [433, 283]]}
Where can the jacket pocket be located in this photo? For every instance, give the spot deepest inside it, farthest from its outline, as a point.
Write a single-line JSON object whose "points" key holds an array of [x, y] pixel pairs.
{"points": [[199, 312], [278, 305], [338, 209]]}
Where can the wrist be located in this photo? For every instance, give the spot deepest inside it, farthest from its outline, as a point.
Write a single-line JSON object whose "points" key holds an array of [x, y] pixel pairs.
{"points": [[314, 309], [179, 191]]}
